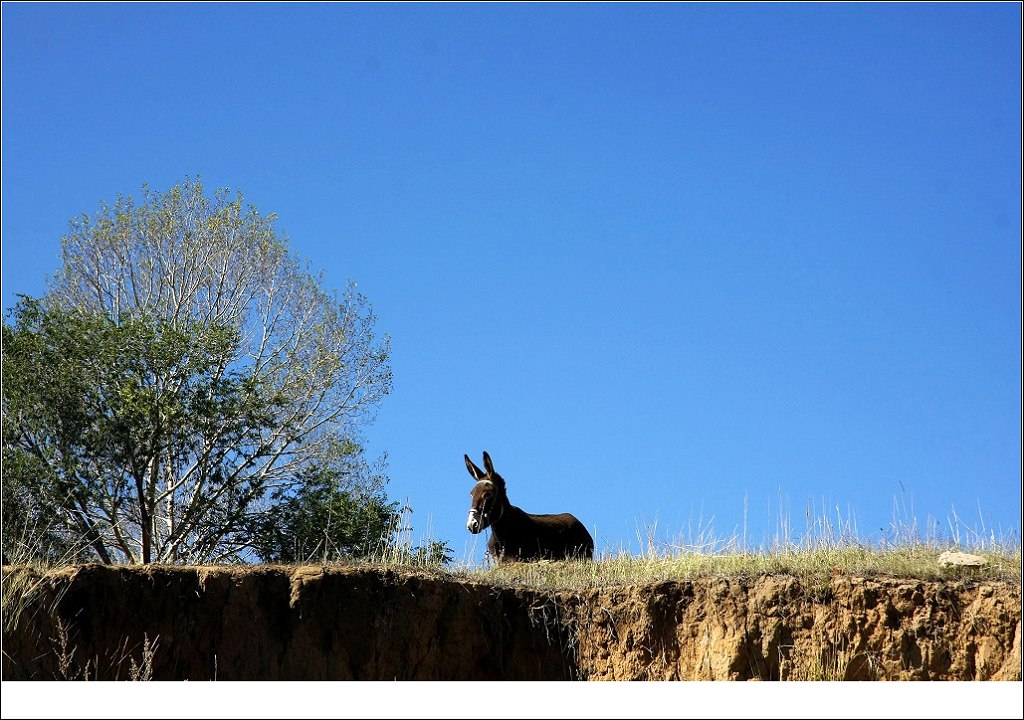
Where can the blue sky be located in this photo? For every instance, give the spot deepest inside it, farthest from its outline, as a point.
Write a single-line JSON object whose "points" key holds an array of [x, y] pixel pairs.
{"points": [[677, 267]]}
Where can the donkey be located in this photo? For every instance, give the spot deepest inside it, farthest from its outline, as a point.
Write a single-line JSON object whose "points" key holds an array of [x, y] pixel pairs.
{"points": [[518, 535]]}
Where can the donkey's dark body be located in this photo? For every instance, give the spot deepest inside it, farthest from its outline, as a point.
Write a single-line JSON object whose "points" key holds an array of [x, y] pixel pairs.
{"points": [[517, 535]]}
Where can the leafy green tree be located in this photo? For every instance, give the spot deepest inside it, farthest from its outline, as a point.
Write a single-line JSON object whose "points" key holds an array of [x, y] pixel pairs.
{"points": [[341, 513], [329, 517], [92, 428], [183, 375], [33, 532], [435, 552]]}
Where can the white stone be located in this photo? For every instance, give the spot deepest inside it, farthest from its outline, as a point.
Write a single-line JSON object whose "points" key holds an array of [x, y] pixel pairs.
{"points": [[950, 558]]}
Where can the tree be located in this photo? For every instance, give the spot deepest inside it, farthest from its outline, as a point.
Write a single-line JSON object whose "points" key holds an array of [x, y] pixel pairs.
{"points": [[32, 532], [327, 518], [194, 374], [332, 518], [89, 422]]}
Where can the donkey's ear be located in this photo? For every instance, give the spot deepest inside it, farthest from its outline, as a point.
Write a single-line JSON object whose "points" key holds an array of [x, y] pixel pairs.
{"points": [[476, 472], [488, 465]]}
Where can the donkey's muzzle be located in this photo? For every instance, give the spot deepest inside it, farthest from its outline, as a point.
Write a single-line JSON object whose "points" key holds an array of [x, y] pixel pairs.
{"points": [[472, 524]]}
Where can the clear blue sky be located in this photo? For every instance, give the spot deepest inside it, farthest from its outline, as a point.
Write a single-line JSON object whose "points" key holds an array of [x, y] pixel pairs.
{"points": [[672, 265]]}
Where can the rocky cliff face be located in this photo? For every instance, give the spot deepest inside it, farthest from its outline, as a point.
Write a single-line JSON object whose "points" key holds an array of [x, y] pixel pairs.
{"points": [[358, 623]]}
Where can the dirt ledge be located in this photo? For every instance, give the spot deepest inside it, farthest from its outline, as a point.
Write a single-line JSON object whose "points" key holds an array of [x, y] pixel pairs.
{"points": [[366, 623]]}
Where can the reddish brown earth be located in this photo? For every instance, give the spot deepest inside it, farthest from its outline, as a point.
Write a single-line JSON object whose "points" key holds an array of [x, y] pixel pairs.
{"points": [[359, 623]]}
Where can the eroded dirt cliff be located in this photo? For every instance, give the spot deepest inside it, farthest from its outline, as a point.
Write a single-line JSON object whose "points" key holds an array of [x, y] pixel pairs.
{"points": [[362, 623]]}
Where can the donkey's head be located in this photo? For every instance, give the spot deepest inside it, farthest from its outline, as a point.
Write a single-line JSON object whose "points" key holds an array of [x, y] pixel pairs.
{"points": [[488, 496]]}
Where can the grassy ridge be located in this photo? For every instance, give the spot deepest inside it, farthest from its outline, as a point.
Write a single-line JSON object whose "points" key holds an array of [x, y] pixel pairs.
{"points": [[827, 545], [814, 565]]}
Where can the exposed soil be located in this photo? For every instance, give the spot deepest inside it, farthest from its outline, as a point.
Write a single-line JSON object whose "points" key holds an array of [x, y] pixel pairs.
{"points": [[360, 623]]}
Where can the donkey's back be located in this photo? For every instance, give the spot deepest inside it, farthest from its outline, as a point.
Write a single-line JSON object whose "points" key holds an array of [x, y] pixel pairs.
{"points": [[542, 537], [568, 538]]}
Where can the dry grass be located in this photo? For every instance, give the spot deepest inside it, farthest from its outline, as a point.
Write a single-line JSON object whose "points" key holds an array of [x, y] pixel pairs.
{"points": [[813, 566], [828, 545], [20, 581]]}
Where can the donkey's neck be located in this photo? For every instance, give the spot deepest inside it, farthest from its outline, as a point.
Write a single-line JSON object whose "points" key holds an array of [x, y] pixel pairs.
{"points": [[509, 518]]}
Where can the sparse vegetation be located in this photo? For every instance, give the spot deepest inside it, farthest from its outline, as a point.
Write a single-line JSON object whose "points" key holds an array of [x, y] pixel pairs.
{"points": [[813, 560], [812, 565], [825, 548]]}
